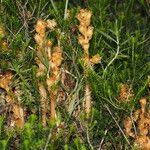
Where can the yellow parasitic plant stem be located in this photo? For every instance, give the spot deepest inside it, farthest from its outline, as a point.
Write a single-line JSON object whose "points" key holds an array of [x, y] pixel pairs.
{"points": [[53, 97], [55, 64], [40, 38], [88, 98], [84, 38], [44, 46], [18, 110], [43, 95]]}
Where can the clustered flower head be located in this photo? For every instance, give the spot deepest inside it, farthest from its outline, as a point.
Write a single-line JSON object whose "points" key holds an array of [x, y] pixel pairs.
{"points": [[84, 17], [95, 59], [40, 28], [85, 29], [125, 93], [55, 62], [43, 44], [141, 118], [51, 24], [84, 38]]}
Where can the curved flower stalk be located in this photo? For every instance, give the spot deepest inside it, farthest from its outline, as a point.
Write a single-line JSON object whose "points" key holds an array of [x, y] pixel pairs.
{"points": [[86, 32]]}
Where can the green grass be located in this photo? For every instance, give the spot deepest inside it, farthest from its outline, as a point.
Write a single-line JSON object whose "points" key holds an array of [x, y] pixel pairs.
{"points": [[121, 35]]}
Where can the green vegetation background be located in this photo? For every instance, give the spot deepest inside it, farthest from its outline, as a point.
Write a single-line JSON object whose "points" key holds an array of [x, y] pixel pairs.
{"points": [[121, 35]]}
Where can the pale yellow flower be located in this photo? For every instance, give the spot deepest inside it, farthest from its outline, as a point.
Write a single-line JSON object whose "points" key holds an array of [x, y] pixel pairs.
{"points": [[51, 24]]}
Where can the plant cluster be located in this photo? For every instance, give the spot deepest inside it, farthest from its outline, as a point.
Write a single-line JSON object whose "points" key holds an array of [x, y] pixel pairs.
{"points": [[71, 72], [140, 121]]}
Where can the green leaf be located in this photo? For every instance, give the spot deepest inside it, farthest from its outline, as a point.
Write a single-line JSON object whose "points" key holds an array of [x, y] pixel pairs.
{"points": [[108, 36]]}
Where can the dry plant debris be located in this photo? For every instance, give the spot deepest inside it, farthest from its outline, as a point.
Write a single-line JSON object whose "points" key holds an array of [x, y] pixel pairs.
{"points": [[140, 120], [86, 33]]}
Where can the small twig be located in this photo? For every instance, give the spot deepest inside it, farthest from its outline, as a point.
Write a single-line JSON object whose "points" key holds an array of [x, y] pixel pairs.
{"points": [[48, 139], [100, 145], [117, 124], [31, 47], [66, 71], [88, 139], [23, 17], [134, 127], [79, 130], [87, 133]]}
